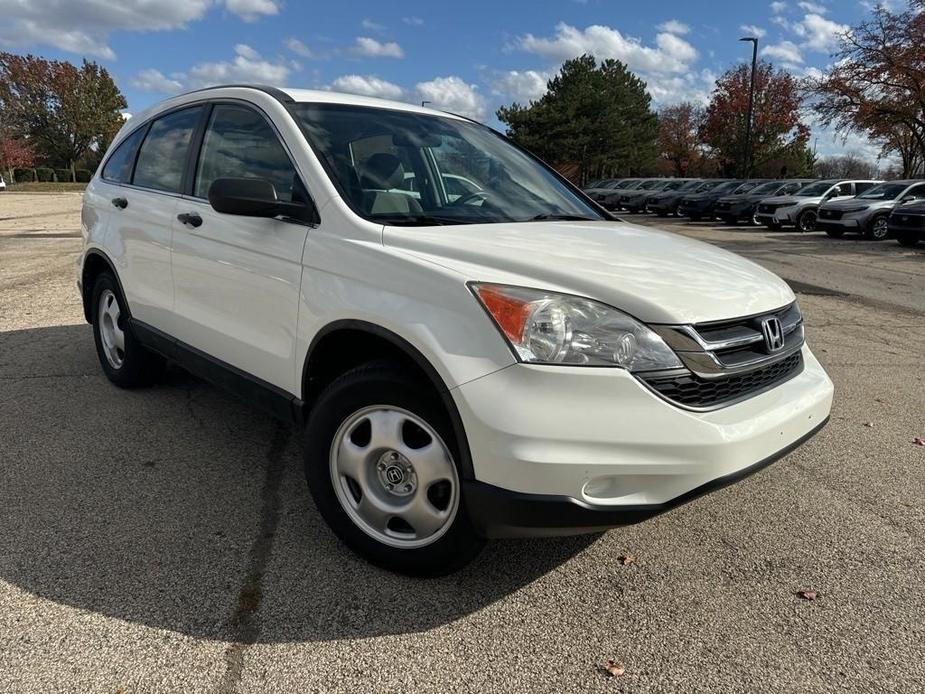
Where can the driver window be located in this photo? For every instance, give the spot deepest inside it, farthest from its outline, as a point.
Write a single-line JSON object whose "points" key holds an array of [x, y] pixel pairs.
{"points": [[239, 143]]}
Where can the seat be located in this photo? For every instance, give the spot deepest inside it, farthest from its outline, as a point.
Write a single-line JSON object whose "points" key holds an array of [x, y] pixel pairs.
{"points": [[381, 174]]}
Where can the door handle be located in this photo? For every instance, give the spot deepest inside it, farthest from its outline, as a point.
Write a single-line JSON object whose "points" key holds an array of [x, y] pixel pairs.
{"points": [[190, 219], [121, 203]]}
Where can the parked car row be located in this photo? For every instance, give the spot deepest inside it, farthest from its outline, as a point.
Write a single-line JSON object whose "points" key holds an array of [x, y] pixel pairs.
{"points": [[874, 209]]}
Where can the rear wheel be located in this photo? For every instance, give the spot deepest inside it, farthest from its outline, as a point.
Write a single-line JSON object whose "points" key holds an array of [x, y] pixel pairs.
{"points": [[124, 360], [806, 222], [908, 239], [381, 462], [878, 229]]}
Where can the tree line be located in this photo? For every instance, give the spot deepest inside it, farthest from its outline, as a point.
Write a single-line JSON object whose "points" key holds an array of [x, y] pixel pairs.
{"points": [[596, 119], [55, 115]]}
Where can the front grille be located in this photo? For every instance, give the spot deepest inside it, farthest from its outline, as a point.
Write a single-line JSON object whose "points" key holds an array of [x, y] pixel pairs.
{"points": [[692, 391], [727, 360], [830, 214], [768, 208]]}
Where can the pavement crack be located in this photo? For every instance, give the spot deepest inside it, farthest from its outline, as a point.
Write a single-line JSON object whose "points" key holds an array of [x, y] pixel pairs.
{"points": [[243, 621]]}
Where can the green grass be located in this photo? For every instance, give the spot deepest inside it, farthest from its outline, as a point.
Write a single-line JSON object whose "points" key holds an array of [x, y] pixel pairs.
{"points": [[45, 187]]}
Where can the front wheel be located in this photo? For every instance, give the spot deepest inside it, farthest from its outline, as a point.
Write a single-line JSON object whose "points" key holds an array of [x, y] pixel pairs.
{"points": [[878, 229], [907, 239], [806, 222], [381, 462]]}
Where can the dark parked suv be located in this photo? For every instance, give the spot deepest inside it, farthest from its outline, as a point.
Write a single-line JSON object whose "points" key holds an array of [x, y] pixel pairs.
{"points": [[700, 205], [734, 208], [907, 223]]}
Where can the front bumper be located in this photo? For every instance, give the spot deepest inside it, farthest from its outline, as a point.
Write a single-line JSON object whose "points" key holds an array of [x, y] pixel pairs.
{"points": [[844, 224], [559, 450]]}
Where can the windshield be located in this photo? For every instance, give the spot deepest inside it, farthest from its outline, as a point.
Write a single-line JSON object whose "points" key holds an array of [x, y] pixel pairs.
{"points": [[727, 187], [885, 191], [769, 187], [460, 172], [649, 185], [815, 189], [747, 186], [707, 185], [691, 185]]}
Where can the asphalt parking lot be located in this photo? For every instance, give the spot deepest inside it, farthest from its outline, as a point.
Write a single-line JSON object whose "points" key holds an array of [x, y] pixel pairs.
{"points": [[163, 540]]}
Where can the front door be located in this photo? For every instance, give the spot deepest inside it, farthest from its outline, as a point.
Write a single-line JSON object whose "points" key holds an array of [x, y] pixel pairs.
{"points": [[237, 279]]}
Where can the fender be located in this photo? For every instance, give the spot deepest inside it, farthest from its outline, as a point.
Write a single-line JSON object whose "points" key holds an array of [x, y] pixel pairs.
{"points": [[87, 291]]}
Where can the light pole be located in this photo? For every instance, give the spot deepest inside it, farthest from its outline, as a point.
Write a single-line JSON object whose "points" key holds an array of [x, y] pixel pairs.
{"points": [[751, 106]]}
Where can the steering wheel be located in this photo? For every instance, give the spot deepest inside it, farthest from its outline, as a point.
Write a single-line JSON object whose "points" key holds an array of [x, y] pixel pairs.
{"points": [[464, 199]]}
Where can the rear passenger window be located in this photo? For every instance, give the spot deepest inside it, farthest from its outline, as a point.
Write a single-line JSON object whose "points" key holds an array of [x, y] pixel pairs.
{"points": [[163, 153], [239, 143], [118, 168]]}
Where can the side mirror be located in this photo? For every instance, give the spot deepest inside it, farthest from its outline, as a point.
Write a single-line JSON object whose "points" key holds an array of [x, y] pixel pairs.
{"points": [[254, 197]]}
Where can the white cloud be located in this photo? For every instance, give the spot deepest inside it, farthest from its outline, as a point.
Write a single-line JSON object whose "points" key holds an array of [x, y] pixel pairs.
{"points": [[299, 48], [670, 54], [819, 34], [521, 86], [787, 51], [454, 95], [83, 28], [375, 49], [152, 80], [753, 30], [252, 10], [813, 7], [778, 7], [413, 21], [370, 25], [367, 85], [673, 26], [247, 66]]}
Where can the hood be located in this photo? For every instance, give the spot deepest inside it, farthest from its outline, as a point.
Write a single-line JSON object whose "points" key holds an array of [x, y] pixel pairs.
{"points": [[742, 197], [791, 199], [842, 203], [656, 276]]}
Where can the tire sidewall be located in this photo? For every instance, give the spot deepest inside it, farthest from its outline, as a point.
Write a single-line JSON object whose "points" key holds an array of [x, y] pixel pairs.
{"points": [[341, 400]]}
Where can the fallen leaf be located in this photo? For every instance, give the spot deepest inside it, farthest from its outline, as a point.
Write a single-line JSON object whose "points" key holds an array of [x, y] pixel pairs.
{"points": [[919, 441], [807, 594], [613, 669], [869, 425], [626, 559], [880, 400]]}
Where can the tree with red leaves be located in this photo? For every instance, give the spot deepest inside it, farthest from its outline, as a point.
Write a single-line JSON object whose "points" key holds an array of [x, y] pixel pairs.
{"points": [[678, 139], [877, 83], [15, 154], [777, 131], [65, 111]]}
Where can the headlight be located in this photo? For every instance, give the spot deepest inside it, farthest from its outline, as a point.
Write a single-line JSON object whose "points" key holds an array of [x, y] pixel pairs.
{"points": [[551, 328]]}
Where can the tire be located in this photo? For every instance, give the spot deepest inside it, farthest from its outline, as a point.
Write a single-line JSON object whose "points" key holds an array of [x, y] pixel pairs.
{"points": [[806, 222], [878, 229], [774, 226], [907, 239], [124, 360], [835, 233], [362, 436]]}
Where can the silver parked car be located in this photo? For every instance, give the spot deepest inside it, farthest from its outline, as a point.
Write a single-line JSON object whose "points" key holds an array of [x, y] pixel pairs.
{"points": [[800, 209], [869, 212]]}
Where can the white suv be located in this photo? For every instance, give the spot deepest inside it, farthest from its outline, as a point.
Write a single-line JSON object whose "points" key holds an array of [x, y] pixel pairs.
{"points": [[510, 361]]}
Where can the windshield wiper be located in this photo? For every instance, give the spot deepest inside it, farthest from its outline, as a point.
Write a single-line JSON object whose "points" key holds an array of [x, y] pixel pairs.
{"points": [[562, 218], [419, 220]]}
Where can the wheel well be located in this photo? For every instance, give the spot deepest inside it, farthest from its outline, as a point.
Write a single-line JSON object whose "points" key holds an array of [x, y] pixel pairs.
{"points": [[341, 349], [94, 265]]}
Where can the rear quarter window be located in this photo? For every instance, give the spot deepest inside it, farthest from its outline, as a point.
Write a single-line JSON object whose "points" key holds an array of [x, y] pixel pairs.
{"points": [[118, 167]]}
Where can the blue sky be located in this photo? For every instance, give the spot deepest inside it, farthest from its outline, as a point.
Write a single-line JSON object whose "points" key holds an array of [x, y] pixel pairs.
{"points": [[466, 57]]}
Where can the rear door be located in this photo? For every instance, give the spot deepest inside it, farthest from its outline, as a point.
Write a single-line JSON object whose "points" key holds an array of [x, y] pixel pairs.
{"points": [[236, 279], [143, 180]]}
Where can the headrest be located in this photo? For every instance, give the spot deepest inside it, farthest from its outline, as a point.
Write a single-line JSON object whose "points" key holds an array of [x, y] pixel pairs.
{"points": [[382, 171]]}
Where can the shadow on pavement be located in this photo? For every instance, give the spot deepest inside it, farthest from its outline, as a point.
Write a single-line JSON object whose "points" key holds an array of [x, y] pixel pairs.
{"points": [[178, 507]]}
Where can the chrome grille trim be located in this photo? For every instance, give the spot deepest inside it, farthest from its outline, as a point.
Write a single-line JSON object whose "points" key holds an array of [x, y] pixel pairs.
{"points": [[717, 351]]}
